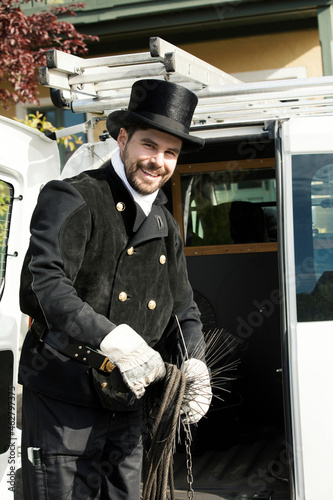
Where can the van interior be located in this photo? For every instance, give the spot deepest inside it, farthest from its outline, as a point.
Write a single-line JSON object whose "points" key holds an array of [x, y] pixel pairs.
{"points": [[224, 199]]}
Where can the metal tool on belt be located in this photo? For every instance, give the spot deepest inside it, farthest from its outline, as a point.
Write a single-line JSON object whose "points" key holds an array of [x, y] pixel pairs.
{"points": [[87, 355]]}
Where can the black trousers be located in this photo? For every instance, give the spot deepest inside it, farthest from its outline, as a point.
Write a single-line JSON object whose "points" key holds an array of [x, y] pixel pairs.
{"points": [[85, 453]]}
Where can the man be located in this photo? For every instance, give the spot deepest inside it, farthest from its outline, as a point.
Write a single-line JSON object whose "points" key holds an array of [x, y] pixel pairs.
{"points": [[106, 285]]}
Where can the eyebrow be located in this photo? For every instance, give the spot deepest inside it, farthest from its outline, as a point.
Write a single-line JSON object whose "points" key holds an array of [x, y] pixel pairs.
{"points": [[148, 139]]}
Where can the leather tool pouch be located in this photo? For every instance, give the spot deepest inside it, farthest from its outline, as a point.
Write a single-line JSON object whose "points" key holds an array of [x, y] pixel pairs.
{"points": [[106, 386]]}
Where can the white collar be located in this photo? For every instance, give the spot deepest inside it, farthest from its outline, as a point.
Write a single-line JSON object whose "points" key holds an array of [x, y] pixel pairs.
{"points": [[145, 201]]}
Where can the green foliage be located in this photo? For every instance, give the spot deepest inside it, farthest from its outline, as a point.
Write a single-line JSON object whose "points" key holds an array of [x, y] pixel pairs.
{"points": [[24, 41], [39, 122], [4, 211]]}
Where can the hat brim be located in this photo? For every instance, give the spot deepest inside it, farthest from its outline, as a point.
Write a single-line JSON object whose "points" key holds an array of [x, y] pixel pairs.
{"points": [[123, 118]]}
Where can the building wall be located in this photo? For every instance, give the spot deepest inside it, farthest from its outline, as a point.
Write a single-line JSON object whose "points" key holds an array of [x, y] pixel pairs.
{"points": [[12, 111], [263, 52]]}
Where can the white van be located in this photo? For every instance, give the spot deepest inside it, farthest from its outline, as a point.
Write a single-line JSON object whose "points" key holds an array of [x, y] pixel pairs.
{"points": [[28, 160], [255, 208]]}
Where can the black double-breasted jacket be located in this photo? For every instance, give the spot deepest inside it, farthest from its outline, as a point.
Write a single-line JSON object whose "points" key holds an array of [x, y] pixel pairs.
{"points": [[96, 261]]}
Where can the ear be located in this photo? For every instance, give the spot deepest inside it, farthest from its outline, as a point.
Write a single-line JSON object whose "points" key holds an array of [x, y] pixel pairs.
{"points": [[122, 139]]}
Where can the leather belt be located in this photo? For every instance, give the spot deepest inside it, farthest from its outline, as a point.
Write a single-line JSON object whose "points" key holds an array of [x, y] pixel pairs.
{"points": [[80, 352]]}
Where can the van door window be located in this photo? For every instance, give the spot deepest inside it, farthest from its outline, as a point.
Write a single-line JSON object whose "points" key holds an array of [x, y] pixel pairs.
{"points": [[313, 229], [63, 118], [227, 204], [6, 200]]}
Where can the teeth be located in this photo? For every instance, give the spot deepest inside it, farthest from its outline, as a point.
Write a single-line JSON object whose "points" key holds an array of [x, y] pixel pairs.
{"points": [[149, 173]]}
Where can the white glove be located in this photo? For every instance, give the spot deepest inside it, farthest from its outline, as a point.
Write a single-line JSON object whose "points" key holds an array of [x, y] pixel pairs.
{"points": [[139, 364], [198, 392]]}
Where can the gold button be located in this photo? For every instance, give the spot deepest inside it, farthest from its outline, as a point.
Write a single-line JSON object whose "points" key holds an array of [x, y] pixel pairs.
{"points": [[120, 206], [105, 384], [162, 259], [151, 304], [130, 251], [122, 296]]}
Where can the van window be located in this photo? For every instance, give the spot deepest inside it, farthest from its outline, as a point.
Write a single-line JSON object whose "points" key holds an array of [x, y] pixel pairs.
{"points": [[6, 200], [63, 118], [313, 228], [228, 204]]}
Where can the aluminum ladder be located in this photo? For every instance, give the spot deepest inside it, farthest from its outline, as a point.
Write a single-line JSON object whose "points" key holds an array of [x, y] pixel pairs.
{"points": [[102, 84]]}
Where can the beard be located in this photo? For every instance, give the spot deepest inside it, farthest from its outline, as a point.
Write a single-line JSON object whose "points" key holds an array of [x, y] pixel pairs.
{"points": [[139, 184]]}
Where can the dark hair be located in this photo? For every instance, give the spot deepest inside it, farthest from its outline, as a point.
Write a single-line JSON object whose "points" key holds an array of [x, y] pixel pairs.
{"points": [[131, 129]]}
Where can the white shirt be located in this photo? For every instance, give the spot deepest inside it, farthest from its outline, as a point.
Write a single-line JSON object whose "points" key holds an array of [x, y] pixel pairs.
{"points": [[144, 200]]}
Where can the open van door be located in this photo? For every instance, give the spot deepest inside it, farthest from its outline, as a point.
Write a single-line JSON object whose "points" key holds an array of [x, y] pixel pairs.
{"points": [[28, 160], [306, 185]]}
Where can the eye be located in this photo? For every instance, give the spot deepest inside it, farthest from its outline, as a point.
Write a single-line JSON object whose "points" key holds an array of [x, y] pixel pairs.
{"points": [[148, 145], [171, 154]]}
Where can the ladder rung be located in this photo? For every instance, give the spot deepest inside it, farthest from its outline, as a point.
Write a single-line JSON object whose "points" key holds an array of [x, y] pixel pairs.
{"points": [[99, 105], [71, 64], [262, 111], [112, 74], [269, 106], [303, 86], [59, 80]]}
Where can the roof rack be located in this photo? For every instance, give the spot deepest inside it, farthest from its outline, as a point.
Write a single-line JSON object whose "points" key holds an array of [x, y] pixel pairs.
{"points": [[103, 84]]}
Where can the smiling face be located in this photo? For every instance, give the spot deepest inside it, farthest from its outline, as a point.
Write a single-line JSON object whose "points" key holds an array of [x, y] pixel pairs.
{"points": [[149, 157]]}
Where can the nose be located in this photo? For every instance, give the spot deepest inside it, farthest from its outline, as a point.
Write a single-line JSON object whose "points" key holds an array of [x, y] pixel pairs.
{"points": [[159, 159]]}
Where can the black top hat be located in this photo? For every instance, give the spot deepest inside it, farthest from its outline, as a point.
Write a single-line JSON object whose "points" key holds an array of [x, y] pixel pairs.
{"points": [[160, 105]]}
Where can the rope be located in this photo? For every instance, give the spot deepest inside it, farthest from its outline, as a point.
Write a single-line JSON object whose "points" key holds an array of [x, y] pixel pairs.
{"points": [[162, 410], [162, 406]]}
